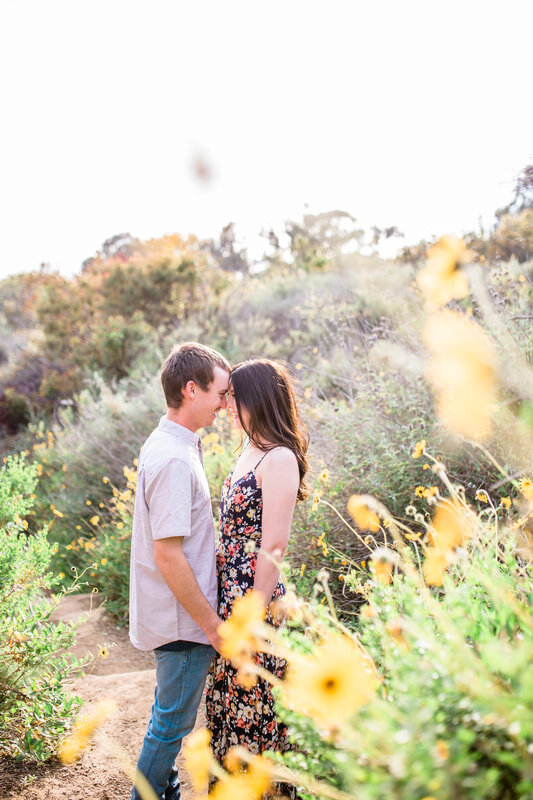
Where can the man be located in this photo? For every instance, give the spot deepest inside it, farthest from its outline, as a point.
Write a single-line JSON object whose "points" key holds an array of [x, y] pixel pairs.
{"points": [[173, 585]]}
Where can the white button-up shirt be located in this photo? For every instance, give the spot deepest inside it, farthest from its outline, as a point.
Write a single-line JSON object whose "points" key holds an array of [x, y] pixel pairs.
{"points": [[172, 500]]}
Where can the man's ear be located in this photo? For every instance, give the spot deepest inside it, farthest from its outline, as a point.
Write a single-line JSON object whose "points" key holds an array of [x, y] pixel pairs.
{"points": [[189, 390]]}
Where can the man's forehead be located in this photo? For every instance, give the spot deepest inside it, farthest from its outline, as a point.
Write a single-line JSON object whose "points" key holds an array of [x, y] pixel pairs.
{"points": [[221, 379]]}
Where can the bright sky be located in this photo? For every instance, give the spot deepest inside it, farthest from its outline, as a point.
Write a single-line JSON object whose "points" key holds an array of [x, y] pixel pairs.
{"points": [[413, 113]]}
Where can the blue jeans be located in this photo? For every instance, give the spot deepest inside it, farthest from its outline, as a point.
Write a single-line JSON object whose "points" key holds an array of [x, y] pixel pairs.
{"points": [[180, 680]]}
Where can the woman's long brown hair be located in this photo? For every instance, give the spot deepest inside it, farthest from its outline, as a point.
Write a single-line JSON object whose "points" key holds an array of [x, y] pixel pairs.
{"points": [[264, 388]]}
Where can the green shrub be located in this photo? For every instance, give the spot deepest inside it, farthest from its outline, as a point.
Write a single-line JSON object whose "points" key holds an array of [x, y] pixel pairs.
{"points": [[452, 715], [35, 707]]}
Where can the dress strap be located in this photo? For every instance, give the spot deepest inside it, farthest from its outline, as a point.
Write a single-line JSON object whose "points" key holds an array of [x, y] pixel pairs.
{"points": [[262, 457], [265, 455]]}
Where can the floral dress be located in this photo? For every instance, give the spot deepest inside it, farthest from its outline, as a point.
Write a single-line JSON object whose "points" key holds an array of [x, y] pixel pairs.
{"points": [[238, 716]]}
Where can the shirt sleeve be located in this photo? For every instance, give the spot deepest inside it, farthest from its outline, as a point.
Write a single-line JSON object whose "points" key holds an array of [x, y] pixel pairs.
{"points": [[168, 495]]}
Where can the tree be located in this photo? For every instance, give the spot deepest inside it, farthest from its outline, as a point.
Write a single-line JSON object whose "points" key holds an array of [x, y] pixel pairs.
{"points": [[224, 253]]}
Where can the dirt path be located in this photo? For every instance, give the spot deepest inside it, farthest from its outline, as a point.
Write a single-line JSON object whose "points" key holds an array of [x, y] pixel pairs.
{"points": [[127, 676]]}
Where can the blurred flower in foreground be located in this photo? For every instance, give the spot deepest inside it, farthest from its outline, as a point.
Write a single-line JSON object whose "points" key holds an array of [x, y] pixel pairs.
{"points": [[198, 756], [449, 527], [440, 281], [364, 518], [249, 784], [72, 747], [382, 567], [463, 372], [331, 684], [435, 565], [239, 632], [526, 487]]}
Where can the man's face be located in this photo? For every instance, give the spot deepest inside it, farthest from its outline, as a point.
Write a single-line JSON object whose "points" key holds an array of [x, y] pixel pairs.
{"points": [[208, 403]]}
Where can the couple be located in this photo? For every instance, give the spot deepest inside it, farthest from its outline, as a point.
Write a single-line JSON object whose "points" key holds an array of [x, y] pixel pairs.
{"points": [[176, 605]]}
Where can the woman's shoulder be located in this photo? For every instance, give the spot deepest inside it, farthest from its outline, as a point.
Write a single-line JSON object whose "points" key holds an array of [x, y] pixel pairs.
{"points": [[279, 458]]}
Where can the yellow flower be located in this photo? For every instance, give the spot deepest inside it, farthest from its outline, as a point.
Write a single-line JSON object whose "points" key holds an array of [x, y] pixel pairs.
{"points": [[71, 748], [61, 575], [482, 496], [105, 479], [103, 561], [258, 775], [368, 612], [299, 366], [364, 518], [237, 787], [419, 449], [396, 630], [88, 503], [324, 476], [419, 491], [57, 513], [331, 684], [449, 528], [506, 503], [382, 570], [302, 569], [436, 564], [308, 392], [316, 500], [462, 371], [103, 653], [39, 469], [120, 525], [440, 281], [95, 520], [239, 632], [526, 487], [198, 758], [442, 751]]}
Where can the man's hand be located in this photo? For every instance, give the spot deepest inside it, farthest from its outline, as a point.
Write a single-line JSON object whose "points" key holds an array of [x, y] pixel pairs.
{"points": [[170, 560]]}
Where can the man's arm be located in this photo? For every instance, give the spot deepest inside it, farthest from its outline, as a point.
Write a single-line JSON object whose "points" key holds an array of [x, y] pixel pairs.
{"points": [[170, 560]]}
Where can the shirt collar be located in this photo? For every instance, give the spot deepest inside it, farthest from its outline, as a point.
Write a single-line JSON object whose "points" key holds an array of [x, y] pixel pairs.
{"points": [[168, 426]]}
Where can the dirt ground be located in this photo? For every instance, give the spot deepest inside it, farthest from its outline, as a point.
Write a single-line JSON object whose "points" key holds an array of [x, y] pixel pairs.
{"points": [[127, 676]]}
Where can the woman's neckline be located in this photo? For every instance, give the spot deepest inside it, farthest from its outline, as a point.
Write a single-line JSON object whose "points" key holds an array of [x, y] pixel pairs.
{"points": [[252, 469]]}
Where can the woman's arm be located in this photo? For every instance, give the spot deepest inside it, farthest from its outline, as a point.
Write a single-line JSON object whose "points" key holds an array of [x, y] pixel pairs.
{"points": [[280, 480]]}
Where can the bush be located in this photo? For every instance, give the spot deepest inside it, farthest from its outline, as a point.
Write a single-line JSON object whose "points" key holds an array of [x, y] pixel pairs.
{"points": [[35, 707], [452, 714]]}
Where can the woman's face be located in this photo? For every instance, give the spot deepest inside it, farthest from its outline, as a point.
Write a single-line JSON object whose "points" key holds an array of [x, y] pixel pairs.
{"points": [[232, 408]]}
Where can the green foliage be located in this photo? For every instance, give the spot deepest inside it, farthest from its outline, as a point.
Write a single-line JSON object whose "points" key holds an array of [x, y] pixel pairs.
{"points": [[35, 707], [15, 410], [453, 712], [17, 483]]}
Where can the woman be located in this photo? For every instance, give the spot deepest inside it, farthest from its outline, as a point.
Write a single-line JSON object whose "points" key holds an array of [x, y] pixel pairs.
{"points": [[258, 499]]}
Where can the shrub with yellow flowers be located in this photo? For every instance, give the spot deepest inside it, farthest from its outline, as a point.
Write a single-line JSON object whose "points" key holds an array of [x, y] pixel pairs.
{"points": [[429, 695], [432, 697], [35, 705]]}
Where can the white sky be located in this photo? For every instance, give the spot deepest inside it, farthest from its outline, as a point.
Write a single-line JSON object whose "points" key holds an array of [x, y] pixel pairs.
{"points": [[407, 113]]}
